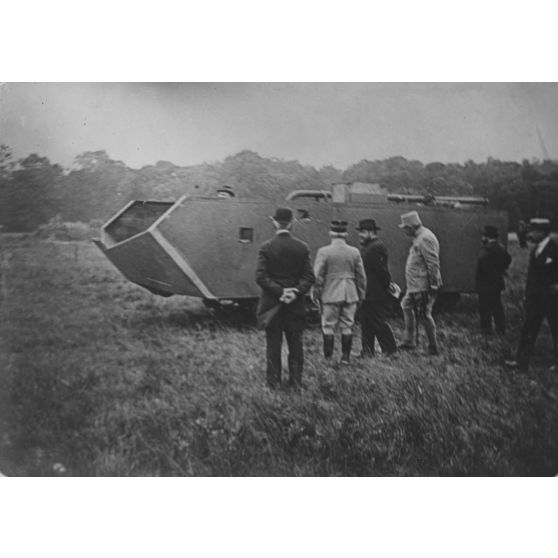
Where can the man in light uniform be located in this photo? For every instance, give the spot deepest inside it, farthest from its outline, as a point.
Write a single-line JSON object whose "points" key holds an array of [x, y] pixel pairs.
{"points": [[340, 286], [423, 278]]}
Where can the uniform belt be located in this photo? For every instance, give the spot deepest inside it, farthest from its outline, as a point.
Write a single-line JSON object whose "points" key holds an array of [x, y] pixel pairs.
{"points": [[340, 275]]}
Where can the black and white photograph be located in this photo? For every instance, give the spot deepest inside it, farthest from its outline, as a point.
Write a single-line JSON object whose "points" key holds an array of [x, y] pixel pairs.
{"points": [[279, 279]]}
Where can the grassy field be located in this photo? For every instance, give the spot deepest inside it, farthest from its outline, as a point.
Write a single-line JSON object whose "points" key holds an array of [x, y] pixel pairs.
{"points": [[100, 377]]}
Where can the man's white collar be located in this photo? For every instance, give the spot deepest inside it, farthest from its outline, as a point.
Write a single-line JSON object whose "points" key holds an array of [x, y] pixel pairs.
{"points": [[542, 245]]}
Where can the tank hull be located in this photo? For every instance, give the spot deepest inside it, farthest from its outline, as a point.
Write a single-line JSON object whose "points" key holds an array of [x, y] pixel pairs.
{"points": [[207, 247]]}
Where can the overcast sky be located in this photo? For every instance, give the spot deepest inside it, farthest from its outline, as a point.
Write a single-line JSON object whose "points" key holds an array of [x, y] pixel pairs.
{"points": [[316, 124]]}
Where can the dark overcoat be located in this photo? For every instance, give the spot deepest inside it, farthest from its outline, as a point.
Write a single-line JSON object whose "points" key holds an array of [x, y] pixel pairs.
{"points": [[375, 259], [542, 272], [284, 262], [492, 264]]}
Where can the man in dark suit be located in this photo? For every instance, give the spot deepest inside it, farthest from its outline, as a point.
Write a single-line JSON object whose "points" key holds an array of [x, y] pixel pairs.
{"points": [[541, 293], [377, 302], [492, 264], [285, 275]]}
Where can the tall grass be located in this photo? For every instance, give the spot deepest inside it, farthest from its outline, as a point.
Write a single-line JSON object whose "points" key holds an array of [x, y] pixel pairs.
{"points": [[99, 377]]}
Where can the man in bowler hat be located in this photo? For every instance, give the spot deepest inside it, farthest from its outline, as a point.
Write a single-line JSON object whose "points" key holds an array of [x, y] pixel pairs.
{"points": [[541, 294], [492, 264], [377, 301], [340, 286], [285, 275]]}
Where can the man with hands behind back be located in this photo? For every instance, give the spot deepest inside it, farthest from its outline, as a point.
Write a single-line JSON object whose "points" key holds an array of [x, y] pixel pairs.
{"points": [[284, 273]]}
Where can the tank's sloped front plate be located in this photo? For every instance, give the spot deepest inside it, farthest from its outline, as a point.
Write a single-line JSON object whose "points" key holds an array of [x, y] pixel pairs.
{"points": [[145, 262]]}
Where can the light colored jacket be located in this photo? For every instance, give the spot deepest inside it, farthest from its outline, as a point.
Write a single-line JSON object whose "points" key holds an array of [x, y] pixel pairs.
{"points": [[422, 270], [339, 273]]}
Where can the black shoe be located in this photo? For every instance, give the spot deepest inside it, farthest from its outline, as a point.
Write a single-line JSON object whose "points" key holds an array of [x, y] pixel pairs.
{"points": [[433, 351], [407, 347]]}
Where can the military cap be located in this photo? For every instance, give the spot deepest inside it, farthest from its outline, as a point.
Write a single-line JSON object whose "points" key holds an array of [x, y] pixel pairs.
{"points": [[410, 219], [339, 226]]}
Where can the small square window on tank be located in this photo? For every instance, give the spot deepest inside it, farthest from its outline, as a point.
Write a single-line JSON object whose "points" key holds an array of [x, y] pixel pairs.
{"points": [[246, 235]]}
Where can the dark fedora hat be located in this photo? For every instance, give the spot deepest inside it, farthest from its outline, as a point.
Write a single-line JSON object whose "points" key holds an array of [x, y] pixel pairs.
{"points": [[539, 224], [283, 215], [368, 225], [489, 231], [339, 226]]}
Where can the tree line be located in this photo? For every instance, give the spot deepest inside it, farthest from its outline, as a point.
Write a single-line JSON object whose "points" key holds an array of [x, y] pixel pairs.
{"points": [[33, 190]]}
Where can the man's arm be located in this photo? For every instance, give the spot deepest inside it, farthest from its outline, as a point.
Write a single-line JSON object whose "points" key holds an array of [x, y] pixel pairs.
{"points": [[507, 260], [554, 273], [360, 277], [320, 270], [307, 278], [262, 276]]}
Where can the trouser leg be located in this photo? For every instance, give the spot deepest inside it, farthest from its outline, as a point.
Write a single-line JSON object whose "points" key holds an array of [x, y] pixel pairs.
{"points": [[330, 317], [430, 324], [381, 328], [294, 335], [346, 323], [498, 313], [534, 314], [368, 335], [485, 314], [430, 327], [274, 339], [552, 318], [410, 321], [347, 318]]}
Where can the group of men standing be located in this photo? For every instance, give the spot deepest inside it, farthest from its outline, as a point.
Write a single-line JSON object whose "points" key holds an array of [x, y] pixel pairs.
{"points": [[344, 279], [541, 289]]}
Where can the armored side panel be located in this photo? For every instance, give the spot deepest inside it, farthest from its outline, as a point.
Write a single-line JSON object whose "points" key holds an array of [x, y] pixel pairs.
{"points": [[207, 247], [220, 238]]}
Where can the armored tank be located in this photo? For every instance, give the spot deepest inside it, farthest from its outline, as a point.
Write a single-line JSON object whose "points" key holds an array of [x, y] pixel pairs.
{"points": [[207, 247]]}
